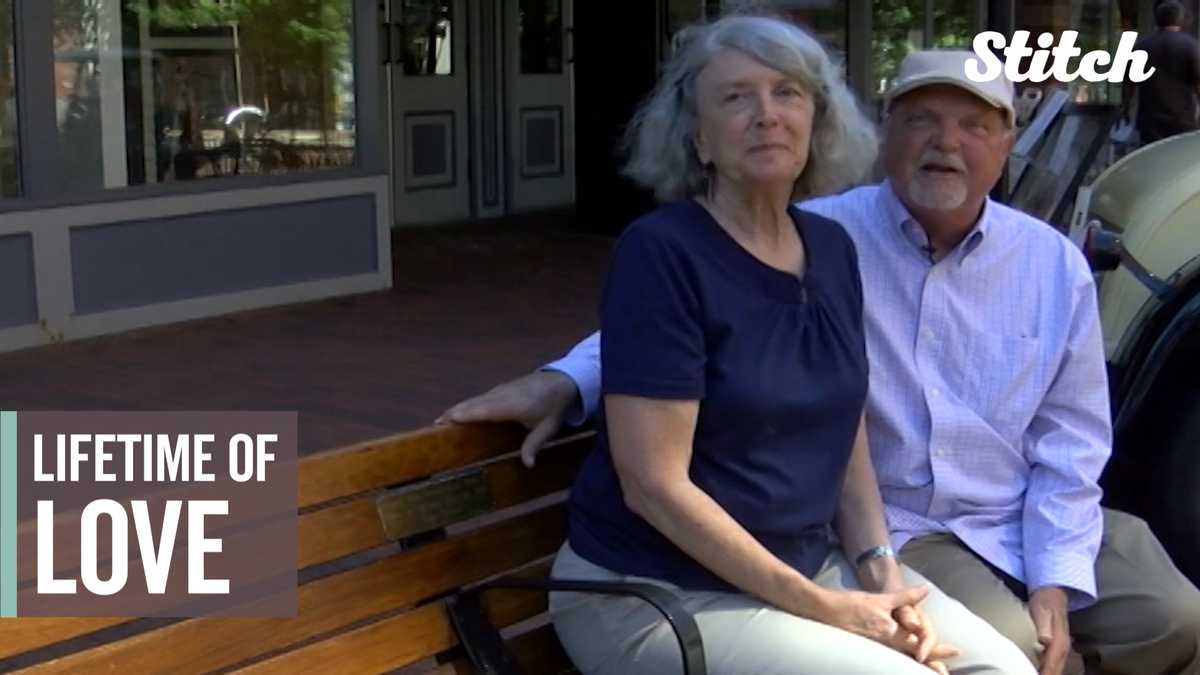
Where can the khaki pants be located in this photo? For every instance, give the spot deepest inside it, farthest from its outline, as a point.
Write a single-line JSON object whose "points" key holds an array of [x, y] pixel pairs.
{"points": [[610, 635], [1145, 622]]}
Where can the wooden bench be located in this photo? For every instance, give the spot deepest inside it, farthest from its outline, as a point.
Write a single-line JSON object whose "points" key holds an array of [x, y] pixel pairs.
{"points": [[409, 551]]}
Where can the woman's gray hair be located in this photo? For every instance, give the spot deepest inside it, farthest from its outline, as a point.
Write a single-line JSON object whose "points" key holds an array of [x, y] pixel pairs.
{"points": [[660, 140]]}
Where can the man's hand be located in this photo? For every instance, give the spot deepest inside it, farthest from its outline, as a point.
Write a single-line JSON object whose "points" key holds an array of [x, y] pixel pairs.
{"points": [[539, 401], [1048, 607]]}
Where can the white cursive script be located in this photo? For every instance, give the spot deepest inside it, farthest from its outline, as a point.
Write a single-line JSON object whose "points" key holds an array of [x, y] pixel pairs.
{"points": [[1126, 59]]}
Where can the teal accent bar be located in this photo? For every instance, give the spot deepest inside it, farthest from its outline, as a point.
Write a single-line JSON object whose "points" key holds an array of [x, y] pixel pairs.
{"points": [[8, 513]]}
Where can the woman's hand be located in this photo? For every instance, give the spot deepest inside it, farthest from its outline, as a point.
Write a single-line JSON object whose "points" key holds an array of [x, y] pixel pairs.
{"points": [[928, 650], [892, 619]]}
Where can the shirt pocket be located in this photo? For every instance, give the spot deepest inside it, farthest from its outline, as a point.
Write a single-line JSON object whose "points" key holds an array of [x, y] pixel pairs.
{"points": [[1005, 380]]}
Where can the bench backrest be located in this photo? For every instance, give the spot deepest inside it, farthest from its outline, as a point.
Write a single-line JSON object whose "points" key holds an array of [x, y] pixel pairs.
{"points": [[388, 530]]}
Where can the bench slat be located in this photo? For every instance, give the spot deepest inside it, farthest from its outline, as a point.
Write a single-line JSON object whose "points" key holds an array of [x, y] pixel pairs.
{"points": [[331, 603], [539, 652], [395, 642], [338, 531], [453, 498], [29, 633], [344, 529], [398, 459]]}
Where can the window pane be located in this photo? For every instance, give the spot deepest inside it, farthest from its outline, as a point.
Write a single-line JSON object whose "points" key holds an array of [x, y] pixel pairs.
{"points": [[898, 27], [164, 90], [680, 14], [427, 32], [825, 18], [541, 36], [954, 23], [9, 179], [1098, 23]]}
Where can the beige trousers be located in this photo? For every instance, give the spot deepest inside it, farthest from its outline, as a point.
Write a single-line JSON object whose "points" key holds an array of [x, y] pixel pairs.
{"points": [[608, 635], [1145, 622]]}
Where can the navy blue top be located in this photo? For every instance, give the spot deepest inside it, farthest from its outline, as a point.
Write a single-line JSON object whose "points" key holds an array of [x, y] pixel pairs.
{"points": [[778, 364]]}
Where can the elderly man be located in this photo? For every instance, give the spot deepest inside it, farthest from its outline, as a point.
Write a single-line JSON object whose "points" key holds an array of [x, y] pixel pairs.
{"points": [[988, 410]]}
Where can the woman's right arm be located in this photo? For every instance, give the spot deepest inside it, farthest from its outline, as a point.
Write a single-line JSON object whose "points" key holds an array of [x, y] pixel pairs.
{"points": [[651, 445]]}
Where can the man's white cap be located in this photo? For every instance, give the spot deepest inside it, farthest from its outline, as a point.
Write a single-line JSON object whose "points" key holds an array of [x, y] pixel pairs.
{"points": [[949, 66]]}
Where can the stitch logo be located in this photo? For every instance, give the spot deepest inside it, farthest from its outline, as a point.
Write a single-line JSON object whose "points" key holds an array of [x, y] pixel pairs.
{"points": [[1126, 59]]}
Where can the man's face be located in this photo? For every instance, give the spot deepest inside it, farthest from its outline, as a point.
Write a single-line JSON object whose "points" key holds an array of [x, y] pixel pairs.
{"points": [[944, 148]]}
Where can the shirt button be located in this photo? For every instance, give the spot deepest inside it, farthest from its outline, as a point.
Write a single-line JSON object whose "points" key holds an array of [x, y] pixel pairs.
{"points": [[939, 452], [936, 392], [928, 333]]}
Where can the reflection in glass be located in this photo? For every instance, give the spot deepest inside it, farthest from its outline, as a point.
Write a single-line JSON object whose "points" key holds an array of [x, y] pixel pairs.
{"points": [[426, 25], [541, 36], [1059, 159], [1098, 23], [826, 20], [954, 23], [241, 87], [897, 27], [9, 179], [680, 13]]}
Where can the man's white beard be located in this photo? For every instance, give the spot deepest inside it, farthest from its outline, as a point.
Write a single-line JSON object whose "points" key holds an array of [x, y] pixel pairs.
{"points": [[937, 195]]}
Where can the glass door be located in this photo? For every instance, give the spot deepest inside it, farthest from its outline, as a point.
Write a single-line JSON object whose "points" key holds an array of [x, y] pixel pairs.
{"points": [[431, 177], [541, 116]]}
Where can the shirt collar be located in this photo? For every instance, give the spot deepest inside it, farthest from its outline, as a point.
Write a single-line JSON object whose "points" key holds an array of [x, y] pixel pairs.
{"points": [[896, 216]]}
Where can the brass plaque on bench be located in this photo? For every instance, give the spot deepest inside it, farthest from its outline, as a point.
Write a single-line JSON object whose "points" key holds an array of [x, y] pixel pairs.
{"points": [[434, 504]]}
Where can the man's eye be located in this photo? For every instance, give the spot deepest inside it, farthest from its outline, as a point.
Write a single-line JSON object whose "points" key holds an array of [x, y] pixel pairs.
{"points": [[977, 127]]}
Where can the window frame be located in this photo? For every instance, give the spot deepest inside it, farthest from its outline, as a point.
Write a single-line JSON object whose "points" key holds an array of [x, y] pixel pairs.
{"points": [[33, 24]]}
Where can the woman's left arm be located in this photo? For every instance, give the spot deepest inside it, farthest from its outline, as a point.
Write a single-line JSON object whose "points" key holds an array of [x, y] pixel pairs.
{"points": [[861, 526], [860, 522]]}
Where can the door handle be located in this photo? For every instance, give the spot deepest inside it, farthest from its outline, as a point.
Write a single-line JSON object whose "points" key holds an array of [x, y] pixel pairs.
{"points": [[385, 43], [391, 42]]}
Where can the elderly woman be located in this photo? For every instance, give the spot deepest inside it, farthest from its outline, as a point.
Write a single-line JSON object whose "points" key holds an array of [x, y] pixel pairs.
{"points": [[735, 373]]}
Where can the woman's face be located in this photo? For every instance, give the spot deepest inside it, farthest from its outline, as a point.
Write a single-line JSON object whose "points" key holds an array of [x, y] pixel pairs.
{"points": [[754, 122]]}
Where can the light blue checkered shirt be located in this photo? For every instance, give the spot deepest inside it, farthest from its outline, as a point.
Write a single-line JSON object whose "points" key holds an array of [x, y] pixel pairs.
{"points": [[988, 411]]}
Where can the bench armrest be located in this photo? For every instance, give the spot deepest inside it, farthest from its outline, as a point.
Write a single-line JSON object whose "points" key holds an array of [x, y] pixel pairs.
{"points": [[485, 647]]}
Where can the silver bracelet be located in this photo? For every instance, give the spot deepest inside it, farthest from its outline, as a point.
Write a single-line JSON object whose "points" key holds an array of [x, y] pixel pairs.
{"points": [[872, 554]]}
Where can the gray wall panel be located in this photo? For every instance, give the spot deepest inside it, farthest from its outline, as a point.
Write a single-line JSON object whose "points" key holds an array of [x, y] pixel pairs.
{"points": [[18, 292], [144, 262]]}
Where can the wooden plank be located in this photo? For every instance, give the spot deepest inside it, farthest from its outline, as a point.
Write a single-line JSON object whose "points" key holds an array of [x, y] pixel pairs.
{"points": [[350, 527], [395, 642], [26, 634], [338, 531], [540, 653], [331, 603], [399, 459], [403, 458], [455, 497]]}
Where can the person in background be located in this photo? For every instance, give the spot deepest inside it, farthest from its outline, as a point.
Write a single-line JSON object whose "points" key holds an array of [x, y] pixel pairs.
{"points": [[1168, 101]]}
